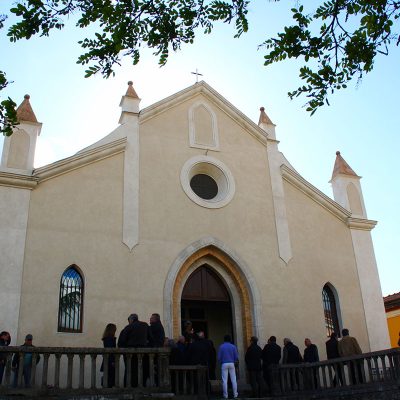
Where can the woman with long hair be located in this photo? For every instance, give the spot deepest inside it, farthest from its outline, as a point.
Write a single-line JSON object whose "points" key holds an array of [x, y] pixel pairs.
{"points": [[109, 341]]}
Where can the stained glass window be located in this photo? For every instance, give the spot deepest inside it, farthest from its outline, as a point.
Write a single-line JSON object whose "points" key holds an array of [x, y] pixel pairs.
{"points": [[70, 308], [330, 311]]}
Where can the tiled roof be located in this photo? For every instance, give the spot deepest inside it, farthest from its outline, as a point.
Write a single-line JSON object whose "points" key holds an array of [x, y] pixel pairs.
{"points": [[392, 301], [264, 119], [341, 167], [131, 91], [25, 112]]}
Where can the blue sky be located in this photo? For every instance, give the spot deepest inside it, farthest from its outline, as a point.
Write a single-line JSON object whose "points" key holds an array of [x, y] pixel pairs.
{"points": [[362, 122]]}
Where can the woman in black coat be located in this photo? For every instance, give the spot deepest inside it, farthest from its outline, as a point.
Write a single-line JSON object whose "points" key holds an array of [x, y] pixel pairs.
{"points": [[109, 341]]}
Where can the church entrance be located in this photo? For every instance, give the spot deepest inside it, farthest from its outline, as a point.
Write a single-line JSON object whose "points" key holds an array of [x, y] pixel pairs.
{"points": [[206, 303]]}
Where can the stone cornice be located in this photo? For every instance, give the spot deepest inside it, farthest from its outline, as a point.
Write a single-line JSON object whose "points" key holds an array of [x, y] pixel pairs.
{"points": [[17, 180], [215, 98], [336, 209], [79, 160], [361, 224]]}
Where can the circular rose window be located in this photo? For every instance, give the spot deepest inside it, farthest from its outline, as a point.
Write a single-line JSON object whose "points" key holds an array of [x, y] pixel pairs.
{"points": [[207, 182]]}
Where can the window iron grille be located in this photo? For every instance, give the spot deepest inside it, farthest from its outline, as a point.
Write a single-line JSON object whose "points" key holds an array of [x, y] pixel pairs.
{"points": [[70, 309]]}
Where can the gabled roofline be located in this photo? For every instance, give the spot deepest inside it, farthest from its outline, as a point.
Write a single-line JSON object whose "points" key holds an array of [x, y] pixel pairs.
{"points": [[334, 208], [79, 160], [212, 95]]}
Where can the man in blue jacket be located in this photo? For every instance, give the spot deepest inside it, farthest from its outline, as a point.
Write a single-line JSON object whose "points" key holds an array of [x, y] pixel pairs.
{"points": [[228, 357]]}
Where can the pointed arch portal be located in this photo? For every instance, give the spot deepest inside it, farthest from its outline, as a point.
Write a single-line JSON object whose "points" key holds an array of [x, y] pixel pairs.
{"points": [[209, 271]]}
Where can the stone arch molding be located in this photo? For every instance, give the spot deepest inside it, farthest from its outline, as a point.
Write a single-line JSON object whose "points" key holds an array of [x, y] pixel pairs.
{"points": [[232, 270], [193, 140]]}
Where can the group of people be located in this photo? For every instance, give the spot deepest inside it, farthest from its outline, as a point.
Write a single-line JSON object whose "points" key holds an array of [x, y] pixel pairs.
{"points": [[259, 362], [195, 349]]}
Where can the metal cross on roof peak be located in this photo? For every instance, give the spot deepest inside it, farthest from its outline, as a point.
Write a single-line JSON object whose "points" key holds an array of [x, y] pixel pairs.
{"points": [[197, 75]]}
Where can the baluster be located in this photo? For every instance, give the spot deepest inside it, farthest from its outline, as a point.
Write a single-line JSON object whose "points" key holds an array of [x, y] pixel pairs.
{"points": [[177, 388], [140, 369], [57, 371], [151, 370], [163, 371], [331, 384], [70, 358], [292, 380], [341, 369], [371, 375], [300, 376], [282, 375], [117, 358], [362, 367], [33, 371], [93, 371], [316, 372], [20, 368], [323, 371], [82, 371], [391, 368], [192, 375], [201, 381], [45, 369], [185, 382], [377, 370], [385, 372], [128, 370], [8, 369], [105, 370]]}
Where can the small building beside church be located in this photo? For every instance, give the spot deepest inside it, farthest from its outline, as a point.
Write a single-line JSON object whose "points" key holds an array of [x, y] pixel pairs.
{"points": [[188, 209], [392, 308]]}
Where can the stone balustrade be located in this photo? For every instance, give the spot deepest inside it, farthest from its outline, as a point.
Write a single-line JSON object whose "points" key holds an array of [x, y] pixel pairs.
{"points": [[77, 370], [374, 369]]}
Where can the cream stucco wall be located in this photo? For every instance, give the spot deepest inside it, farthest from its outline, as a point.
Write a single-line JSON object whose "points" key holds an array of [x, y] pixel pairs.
{"points": [[77, 218], [14, 205]]}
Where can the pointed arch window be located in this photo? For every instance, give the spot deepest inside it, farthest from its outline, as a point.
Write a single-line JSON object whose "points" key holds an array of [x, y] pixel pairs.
{"points": [[330, 311], [70, 305]]}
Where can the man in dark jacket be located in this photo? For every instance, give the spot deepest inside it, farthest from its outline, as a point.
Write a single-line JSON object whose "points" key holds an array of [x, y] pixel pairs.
{"points": [[198, 351], [332, 352], [271, 355], [137, 335], [253, 364], [310, 352], [291, 353], [156, 331], [311, 356], [27, 360]]}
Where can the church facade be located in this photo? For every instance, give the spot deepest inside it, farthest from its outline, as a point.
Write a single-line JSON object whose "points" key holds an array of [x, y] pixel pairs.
{"points": [[187, 209]]}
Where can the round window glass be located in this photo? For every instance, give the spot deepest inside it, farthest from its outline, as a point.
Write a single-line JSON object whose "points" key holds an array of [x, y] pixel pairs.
{"points": [[204, 186]]}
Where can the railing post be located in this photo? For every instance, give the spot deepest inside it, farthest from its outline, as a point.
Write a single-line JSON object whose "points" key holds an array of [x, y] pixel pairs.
{"points": [[32, 380], [20, 369], [45, 370], [139, 372], [105, 370], [93, 371], [82, 371], [151, 370], [70, 358], [8, 369], [117, 361], [57, 371], [163, 373]]}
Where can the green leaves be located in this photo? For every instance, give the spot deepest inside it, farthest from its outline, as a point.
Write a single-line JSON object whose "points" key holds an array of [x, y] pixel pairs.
{"points": [[338, 42], [8, 114]]}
